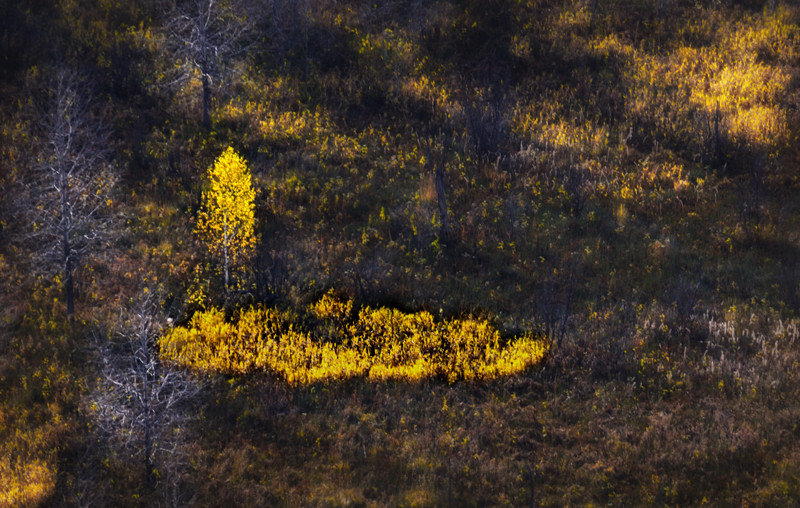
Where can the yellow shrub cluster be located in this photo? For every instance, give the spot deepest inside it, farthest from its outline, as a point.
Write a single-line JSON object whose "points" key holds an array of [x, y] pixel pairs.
{"points": [[732, 72], [379, 344], [331, 308], [388, 51], [425, 90], [313, 128], [25, 483]]}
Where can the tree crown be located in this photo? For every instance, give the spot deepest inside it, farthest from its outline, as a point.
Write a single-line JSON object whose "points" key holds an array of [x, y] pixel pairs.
{"points": [[227, 215]]}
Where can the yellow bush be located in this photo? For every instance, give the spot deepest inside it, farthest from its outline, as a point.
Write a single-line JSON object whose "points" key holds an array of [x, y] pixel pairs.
{"points": [[379, 344], [330, 307]]}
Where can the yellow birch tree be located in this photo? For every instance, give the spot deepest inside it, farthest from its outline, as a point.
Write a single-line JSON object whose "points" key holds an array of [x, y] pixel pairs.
{"points": [[227, 214]]}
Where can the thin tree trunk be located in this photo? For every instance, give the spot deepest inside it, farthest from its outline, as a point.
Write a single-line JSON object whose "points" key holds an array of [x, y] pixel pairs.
{"points": [[149, 474], [225, 252], [227, 271], [567, 303], [305, 39], [437, 164], [440, 195], [206, 102], [69, 290], [717, 143]]}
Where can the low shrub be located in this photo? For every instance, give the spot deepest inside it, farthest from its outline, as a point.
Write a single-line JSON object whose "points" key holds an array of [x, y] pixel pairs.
{"points": [[379, 344]]}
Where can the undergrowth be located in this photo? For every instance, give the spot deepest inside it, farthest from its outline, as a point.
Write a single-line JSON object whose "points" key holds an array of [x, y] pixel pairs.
{"points": [[379, 344]]}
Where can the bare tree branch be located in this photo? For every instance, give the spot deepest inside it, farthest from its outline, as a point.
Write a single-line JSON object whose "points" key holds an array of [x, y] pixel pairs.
{"points": [[204, 37], [66, 198], [140, 401]]}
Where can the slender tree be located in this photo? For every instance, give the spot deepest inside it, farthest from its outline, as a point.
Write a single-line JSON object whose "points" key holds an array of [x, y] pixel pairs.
{"points": [[436, 158], [205, 36], [67, 198], [140, 401], [227, 216]]}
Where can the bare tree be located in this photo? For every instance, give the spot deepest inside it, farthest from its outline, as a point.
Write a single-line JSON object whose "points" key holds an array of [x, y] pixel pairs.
{"points": [[205, 36], [286, 26], [576, 182], [140, 401], [486, 124], [436, 157], [67, 195], [553, 302]]}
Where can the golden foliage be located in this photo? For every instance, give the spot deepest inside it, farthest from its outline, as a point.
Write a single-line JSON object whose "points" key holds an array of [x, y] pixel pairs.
{"points": [[36, 388], [331, 308], [379, 344], [25, 484], [227, 218]]}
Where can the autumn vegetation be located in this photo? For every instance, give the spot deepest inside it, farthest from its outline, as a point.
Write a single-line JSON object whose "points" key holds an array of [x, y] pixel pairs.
{"points": [[379, 344], [400, 253]]}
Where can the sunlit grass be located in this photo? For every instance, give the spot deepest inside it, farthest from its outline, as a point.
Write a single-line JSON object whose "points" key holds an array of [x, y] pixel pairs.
{"points": [[736, 79], [25, 483]]}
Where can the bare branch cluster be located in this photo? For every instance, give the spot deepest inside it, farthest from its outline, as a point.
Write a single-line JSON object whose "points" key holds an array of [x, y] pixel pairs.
{"points": [[205, 33], [286, 24], [205, 36], [67, 193], [140, 401]]}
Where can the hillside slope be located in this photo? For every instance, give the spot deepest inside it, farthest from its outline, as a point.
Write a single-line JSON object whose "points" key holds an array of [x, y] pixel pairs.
{"points": [[615, 181]]}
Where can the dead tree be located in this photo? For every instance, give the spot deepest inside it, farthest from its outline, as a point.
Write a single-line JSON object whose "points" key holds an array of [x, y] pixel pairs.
{"points": [[67, 192], [486, 126], [717, 138], [205, 36], [576, 183], [436, 158], [286, 24], [140, 401]]}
